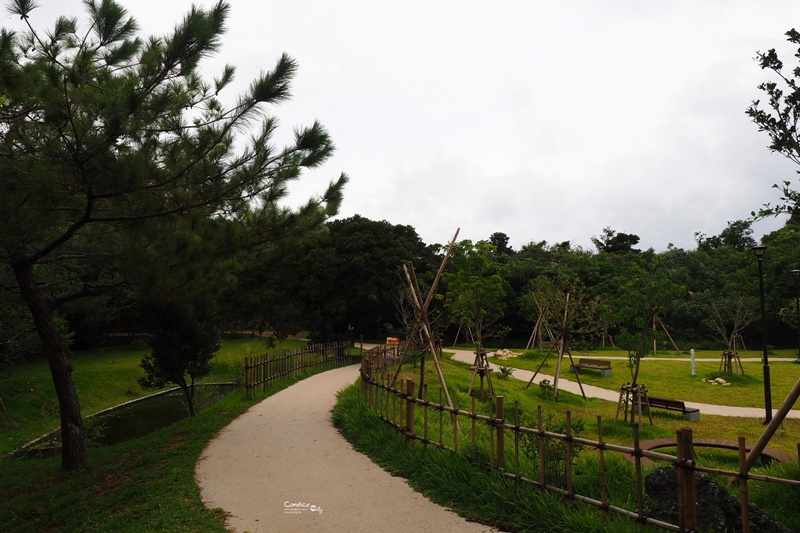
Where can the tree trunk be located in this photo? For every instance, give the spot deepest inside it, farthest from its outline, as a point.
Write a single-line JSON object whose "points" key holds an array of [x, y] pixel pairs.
{"points": [[188, 392], [73, 448]]}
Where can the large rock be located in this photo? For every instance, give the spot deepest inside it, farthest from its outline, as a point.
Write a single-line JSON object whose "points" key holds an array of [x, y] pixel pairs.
{"points": [[717, 510]]}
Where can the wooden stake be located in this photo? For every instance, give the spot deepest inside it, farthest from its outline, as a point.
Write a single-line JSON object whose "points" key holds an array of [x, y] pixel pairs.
{"points": [[409, 409], [455, 427], [603, 487], [473, 426], [773, 426], [687, 500], [568, 454], [425, 392], [501, 438], [743, 485]]}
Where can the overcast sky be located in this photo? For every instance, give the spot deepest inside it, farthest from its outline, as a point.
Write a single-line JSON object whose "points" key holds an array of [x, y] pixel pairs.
{"points": [[543, 120]]}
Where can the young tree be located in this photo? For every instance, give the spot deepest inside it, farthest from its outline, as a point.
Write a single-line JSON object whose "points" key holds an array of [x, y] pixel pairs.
{"points": [[642, 300], [184, 339], [476, 289], [104, 135]]}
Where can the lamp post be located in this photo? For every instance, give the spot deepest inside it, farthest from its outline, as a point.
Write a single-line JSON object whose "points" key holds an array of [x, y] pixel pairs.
{"points": [[797, 308], [759, 250]]}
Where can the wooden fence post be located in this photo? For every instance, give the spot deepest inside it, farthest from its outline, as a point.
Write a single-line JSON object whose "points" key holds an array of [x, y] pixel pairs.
{"points": [[687, 502], [247, 377], [743, 485], [501, 441], [409, 409]]}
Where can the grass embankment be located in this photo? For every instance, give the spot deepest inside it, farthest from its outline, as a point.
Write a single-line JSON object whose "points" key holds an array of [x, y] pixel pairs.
{"points": [[474, 491], [146, 484], [103, 378], [478, 492], [673, 379]]}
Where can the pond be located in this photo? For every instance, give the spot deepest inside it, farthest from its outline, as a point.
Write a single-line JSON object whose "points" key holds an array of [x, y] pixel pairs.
{"points": [[133, 419]]}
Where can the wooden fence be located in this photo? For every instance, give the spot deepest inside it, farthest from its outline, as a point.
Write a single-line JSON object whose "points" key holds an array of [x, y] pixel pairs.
{"points": [[398, 408], [261, 370]]}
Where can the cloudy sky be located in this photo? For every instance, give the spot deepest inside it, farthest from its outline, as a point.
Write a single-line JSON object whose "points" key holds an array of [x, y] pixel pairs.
{"points": [[544, 120]]}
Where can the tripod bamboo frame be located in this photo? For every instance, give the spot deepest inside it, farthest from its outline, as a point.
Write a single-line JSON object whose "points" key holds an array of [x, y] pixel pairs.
{"points": [[560, 343], [422, 324], [481, 367]]}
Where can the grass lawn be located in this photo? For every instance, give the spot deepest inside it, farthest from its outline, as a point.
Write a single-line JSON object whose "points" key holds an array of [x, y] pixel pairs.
{"points": [[424, 468], [673, 379], [104, 378], [145, 484]]}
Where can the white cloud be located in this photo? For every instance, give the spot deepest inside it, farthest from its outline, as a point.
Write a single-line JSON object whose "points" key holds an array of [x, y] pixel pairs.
{"points": [[544, 120]]}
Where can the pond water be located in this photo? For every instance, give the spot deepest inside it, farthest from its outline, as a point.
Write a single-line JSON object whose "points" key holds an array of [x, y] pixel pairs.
{"points": [[135, 419]]}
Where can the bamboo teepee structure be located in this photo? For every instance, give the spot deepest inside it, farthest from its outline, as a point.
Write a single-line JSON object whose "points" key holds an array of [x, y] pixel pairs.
{"points": [[422, 324]]}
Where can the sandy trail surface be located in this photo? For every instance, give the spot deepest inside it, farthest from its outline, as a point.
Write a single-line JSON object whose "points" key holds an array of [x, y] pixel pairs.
{"points": [[282, 467]]}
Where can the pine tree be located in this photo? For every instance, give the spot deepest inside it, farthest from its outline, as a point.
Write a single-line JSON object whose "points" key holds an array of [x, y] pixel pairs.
{"points": [[103, 135]]}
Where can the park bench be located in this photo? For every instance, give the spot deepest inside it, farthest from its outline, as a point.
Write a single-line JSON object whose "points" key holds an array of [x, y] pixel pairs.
{"points": [[689, 413], [595, 364]]}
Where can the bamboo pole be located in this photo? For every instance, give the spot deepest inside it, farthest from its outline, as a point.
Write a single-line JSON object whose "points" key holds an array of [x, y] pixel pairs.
{"points": [[687, 501], [416, 297], [441, 419], [409, 409], [516, 438], [501, 438], [425, 414], [491, 434], [455, 426], [773, 426], [637, 462], [540, 427], [601, 450], [422, 308], [472, 419], [568, 450], [743, 485]]}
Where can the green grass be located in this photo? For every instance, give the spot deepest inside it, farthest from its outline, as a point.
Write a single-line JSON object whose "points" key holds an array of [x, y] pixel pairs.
{"points": [[146, 484], [370, 435], [673, 379], [472, 490], [103, 378]]}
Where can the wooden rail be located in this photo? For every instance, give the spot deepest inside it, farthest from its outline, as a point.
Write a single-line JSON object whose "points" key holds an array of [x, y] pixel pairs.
{"points": [[262, 370]]}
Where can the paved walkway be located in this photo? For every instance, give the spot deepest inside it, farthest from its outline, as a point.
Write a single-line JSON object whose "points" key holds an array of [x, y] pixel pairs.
{"points": [[467, 356], [282, 467]]}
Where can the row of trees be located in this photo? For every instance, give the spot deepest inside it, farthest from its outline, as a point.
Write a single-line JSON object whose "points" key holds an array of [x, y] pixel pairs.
{"points": [[348, 281]]}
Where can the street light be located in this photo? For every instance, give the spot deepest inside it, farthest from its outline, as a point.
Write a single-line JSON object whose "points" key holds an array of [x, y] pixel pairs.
{"points": [[797, 307], [759, 250]]}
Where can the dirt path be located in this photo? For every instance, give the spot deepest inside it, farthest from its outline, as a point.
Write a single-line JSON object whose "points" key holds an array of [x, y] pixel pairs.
{"points": [[282, 467]]}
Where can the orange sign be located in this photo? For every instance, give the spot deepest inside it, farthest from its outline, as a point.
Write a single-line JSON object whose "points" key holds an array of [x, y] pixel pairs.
{"points": [[392, 340]]}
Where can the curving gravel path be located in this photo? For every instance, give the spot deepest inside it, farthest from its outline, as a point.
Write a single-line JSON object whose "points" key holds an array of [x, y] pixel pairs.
{"points": [[282, 467]]}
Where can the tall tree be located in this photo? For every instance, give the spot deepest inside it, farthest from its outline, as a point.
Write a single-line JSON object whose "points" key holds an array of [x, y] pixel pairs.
{"points": [[349, 276], [616, 243], [779, 119], [738, 235], [105, 134], [476, 289]]}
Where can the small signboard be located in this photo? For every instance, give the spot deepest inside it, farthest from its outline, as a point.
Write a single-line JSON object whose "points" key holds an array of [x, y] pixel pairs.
{"points": [[392, 340]]}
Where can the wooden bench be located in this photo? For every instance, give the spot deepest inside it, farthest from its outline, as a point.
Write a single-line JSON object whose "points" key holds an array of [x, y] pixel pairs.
{"points": [[594, 364], [689, 413]]}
